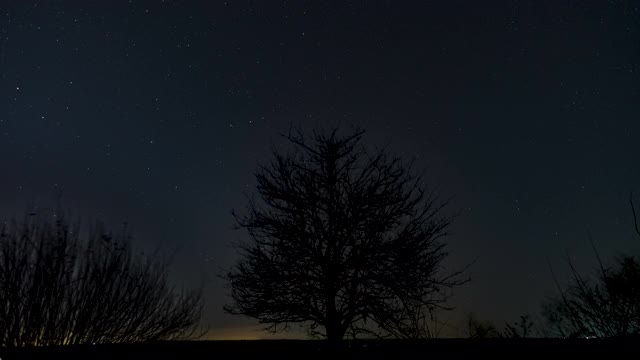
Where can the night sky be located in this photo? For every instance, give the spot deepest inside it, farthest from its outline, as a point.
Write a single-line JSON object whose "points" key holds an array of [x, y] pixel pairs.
{"points": [[157, 113]]}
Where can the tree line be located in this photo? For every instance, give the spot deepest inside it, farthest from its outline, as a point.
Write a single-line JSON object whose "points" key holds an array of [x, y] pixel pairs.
{"points": [[343, 240]]}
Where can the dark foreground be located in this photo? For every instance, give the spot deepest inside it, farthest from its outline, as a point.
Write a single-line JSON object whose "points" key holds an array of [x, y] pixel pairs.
{"points": [[389, 349]]}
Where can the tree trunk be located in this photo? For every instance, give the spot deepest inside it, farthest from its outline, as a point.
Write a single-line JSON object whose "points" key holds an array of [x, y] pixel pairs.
{"points": [[333, 324], [335, 331]]}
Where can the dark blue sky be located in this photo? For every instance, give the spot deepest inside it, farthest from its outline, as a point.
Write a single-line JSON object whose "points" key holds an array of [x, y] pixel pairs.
{"points": [[527, 112]]}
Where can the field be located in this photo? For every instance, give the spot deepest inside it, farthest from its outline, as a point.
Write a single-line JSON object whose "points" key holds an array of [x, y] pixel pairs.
{"points": [[423, 349]]}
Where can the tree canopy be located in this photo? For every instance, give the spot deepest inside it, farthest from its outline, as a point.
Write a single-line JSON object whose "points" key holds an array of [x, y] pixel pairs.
{"points": [[343, 240]]}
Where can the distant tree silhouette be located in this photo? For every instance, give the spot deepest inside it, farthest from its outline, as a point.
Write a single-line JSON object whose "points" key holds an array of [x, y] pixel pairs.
{"points": [[342, 240], [59, 286], [607, 306], [520, 329], [417, 322], [524, 328], [477, 329]]}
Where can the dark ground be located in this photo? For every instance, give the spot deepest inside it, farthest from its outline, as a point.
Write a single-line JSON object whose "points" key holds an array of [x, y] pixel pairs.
{"points": [[389, 349]]}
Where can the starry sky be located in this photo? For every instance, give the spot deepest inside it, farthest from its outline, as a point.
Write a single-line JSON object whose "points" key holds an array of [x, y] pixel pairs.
{"points": [[157, 113]]}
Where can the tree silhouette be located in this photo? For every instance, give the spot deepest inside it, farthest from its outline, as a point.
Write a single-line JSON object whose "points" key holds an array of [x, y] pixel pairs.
{"points": [[484, 329], [607, 306], [342, 240], [477, 329], [521, 329], [60, 285]]}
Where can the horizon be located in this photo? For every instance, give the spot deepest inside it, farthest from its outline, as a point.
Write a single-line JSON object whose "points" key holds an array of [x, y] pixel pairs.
{"points": [[158, 114]]}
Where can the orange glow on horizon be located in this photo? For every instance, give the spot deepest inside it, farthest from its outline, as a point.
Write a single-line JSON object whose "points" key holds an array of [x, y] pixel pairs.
{"points": [[249, 333]]}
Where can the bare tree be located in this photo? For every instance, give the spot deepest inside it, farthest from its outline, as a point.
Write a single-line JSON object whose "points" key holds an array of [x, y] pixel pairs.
{"points": [[519, 330], [607, 306], [419, 322], [478, 329], [342, 240], [60, 285]]}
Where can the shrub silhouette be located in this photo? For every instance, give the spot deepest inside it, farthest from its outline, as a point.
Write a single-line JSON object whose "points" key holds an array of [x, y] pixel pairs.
{"points": [[607, 306], [477, 329], [59, 286]]}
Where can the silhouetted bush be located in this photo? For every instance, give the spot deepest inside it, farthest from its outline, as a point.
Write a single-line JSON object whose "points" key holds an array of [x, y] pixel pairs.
{"points": [[477, 329], [605, 306], [60, 285], [521, 329]]}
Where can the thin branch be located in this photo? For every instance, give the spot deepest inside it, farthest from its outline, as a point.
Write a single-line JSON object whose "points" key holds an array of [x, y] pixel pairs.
{"points": [[633, 211]]}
